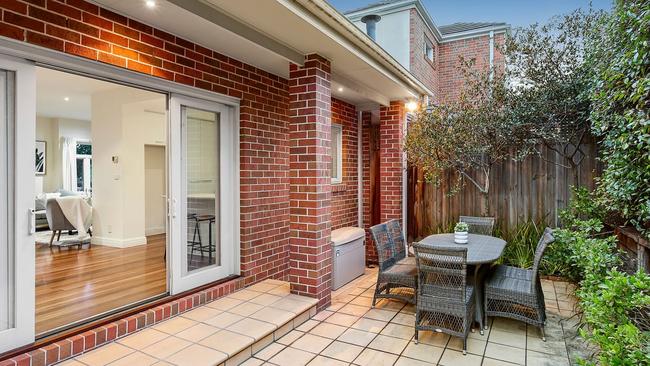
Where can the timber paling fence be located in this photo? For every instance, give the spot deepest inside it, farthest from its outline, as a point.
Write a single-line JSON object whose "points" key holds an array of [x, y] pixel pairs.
{"points": [[534, 189]]}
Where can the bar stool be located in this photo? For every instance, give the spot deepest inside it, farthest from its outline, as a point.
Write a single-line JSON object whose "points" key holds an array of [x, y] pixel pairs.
{"points": [[198, 244]]}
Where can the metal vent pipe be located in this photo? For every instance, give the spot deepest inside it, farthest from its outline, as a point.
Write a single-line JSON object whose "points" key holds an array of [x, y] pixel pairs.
{"points": [[371, 25]]}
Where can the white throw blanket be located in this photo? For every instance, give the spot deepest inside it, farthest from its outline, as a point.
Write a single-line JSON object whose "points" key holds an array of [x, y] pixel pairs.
{"points": [[78, 212]]}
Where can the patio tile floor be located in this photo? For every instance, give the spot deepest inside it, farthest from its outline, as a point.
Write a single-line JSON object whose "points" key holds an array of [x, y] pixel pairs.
{"points": [[349, 332]]}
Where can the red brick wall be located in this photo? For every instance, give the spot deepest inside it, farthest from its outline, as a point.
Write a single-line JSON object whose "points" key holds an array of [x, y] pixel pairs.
{"points": [[391, 124], [478, 48], [310, 252], [366, 120], [80, 28], [420, 66], [344, 195]]}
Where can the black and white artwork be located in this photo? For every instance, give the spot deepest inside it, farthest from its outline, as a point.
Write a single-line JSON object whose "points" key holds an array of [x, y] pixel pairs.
{"points": [[41, 157]]}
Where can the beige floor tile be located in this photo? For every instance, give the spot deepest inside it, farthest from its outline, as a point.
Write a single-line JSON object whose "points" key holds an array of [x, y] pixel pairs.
{"points": [[290, 337], [456, 358], [542, 359], [224, 303], [136, 358], [246, 309], [408, 309], [292, 305], [358, 337], [433, 338], [224, 320], [368, 293], [162, 363], [143, 338], [398, 331], [71, 362], [311, 343], [509, 325], [174, 325], [262, 286], [553, 347], [265, 299], [328, 330], [356, 310], [388, 304], [273, 315], [405, 361], [105, 354], [227, 342], [371, 357], [324, 361], [493, 362], [197, 332], [270, 351], [342, 319], [423, 352], [346, 298], [404, 319], [252, 362], [336, 306], [166, 347], [281, 290], [507, 338], [308, 325], [342, 351], [322, 315], [252, 328], [292, 357], [201, 314], [244, 295], [474, 346], [388, 344], [197, 355], [505, 353], [369, 325], [363, 301], [379, 314]]}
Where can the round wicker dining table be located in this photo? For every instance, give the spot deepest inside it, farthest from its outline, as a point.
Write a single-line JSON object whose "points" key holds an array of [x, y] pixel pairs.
{"points": [[481, 250]]}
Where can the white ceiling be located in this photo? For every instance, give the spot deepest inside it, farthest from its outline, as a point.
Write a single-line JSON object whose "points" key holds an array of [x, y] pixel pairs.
{"points": [[53, 87], [360, 82]]}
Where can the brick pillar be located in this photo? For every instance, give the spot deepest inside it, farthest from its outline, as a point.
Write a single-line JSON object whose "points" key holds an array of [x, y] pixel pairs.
{"points": [[310, 258], [366, 138], [391, 123]]}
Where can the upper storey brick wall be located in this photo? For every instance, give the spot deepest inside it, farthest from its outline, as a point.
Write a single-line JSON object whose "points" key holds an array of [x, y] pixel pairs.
{"points": [[478, 48], [344, 194], [420, 66], [83, 29]]}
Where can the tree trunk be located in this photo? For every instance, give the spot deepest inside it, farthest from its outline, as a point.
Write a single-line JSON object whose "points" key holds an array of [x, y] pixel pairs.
{"points": [[485, 204]]}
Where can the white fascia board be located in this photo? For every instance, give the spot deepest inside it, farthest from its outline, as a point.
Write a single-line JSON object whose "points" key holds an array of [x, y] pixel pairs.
{"points": [[396, 7], [476, 33]]}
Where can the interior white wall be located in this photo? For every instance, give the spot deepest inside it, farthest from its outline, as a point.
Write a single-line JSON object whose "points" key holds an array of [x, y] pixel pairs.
{"points": [[155, 189], [393, 35], [124, 120]]}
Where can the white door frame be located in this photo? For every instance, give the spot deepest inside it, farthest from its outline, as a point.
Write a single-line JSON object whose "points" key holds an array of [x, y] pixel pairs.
{"points": [[20, 142], [228, 214]]}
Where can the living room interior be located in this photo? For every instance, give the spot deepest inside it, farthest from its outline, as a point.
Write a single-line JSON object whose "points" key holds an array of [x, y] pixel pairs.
{"points": [[100, 198]]}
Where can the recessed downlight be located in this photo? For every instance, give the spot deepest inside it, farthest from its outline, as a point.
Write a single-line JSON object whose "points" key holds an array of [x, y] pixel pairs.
{"points": [[340, 89], [150, 3], [66, 99]]}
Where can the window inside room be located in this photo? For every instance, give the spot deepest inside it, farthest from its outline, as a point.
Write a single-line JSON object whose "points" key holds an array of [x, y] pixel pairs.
{"points": [[84, 167], [337, 154]]}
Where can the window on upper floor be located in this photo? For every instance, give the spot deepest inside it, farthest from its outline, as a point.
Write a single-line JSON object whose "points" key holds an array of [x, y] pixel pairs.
{"points": [[429, 51], [336, 152]]}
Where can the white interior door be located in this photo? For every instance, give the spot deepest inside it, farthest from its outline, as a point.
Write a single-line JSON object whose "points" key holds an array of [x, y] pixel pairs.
{"points": [[17, 170], [204, 193]]}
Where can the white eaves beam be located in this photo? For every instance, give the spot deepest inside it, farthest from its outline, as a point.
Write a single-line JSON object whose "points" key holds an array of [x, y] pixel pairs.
{"points": [[235, 26]]}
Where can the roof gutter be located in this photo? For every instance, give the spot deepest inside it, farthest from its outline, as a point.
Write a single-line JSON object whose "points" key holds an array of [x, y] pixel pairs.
{"points": [[347, 34], [476, 32]]}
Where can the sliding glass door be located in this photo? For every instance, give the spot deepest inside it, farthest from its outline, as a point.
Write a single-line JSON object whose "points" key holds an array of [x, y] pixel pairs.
{"points": [[18, 159], [204, 193]]}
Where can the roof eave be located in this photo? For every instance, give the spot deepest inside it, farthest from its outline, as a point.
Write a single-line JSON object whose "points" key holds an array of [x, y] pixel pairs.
{"points": [[503, 28]]}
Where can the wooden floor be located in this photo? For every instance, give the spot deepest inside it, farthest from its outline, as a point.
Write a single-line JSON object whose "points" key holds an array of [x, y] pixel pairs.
{"points": [[73, 284]]}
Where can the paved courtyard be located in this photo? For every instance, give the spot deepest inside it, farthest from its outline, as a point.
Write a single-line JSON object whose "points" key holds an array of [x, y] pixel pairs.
{"points": [[349, 332]]}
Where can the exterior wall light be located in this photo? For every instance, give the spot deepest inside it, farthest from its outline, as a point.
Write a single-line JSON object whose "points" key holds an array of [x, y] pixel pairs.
{"points": [[411, 106]]}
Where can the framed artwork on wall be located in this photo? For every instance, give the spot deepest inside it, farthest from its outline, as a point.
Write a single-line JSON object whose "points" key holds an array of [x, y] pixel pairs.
{"points": [[41, 157]]}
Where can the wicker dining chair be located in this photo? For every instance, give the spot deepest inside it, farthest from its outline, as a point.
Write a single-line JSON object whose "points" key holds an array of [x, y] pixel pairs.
{"points": [[479, 225], [399, 243], [396, 280], [516, 293], [445, 301]]}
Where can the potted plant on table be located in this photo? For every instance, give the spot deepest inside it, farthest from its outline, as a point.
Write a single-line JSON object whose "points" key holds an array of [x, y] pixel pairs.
{"points": [[460, 233]]}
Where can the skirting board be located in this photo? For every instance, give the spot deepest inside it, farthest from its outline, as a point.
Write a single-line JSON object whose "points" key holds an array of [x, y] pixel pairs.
{"points": [[119, 243], [154, 230]]}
